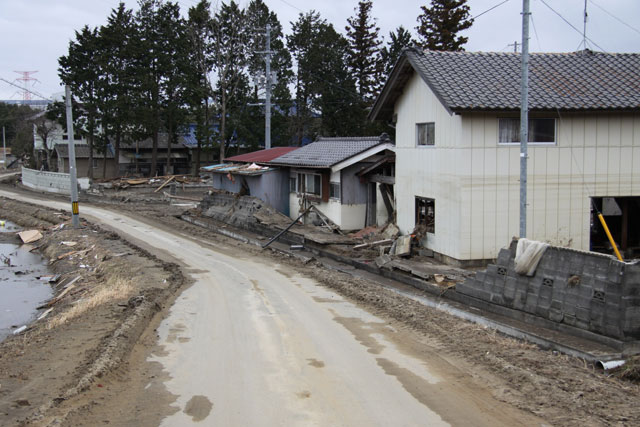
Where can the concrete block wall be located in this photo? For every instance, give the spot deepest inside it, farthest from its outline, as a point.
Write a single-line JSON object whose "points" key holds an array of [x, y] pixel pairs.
{"points": [[52, 182], [587, 290]]}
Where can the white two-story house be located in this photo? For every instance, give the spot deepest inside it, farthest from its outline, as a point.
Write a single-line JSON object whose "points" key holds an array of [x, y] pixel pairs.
{"points": [[458, 154]]}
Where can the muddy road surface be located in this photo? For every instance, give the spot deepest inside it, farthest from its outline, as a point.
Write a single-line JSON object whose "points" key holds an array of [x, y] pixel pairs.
{"points": [[254, 342]]}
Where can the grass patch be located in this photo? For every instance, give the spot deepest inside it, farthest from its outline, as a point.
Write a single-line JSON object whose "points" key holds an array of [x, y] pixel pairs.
{"points": [[115, 289]]}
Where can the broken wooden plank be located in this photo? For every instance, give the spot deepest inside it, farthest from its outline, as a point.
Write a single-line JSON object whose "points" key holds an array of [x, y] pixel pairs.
{"points": [[372, 244], [165, 183], [191, 199]]}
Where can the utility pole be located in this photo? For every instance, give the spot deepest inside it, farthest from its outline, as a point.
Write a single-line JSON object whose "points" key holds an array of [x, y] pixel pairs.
{"points": [[584, 27], [72, 160], [524, 117], [267, 98], [4, 150]]}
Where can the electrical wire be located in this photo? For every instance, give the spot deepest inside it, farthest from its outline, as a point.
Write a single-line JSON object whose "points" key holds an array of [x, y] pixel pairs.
{"points": [[571, 25], [613, 16], [486, 11], [535, 31]]}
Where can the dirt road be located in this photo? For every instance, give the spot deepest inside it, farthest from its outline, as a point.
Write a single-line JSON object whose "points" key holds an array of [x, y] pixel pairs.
{"points": [[255, 343]]}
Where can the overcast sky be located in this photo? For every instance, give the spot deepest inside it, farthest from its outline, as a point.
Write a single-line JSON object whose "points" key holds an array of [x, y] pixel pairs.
{"points": [[35, 33]]}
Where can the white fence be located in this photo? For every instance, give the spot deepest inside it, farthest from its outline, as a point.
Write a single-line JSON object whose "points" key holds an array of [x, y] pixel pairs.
{"points": [[52, 182]]}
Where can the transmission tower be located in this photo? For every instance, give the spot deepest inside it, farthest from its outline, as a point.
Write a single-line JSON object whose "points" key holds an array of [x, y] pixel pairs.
{"points": [[25, 79]]}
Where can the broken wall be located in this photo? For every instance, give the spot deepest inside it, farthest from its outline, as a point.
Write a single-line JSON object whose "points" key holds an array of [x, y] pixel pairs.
{"points": [[586, 290]]}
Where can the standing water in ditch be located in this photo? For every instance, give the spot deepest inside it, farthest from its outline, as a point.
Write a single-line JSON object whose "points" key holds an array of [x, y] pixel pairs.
{"points": [[20, 290]]}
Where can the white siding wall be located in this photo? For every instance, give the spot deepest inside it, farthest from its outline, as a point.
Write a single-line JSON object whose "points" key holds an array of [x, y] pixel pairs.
{"points": [[428, 171], [475, 181]]}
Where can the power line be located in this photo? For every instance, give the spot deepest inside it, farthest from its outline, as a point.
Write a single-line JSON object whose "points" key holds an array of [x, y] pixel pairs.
{"points": [[613, 16], [486, 11], [571, 25], [535, 31], [290, 5]]}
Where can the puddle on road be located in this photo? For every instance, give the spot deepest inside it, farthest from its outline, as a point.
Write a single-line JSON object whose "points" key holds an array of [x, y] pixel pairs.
{"points": [[20, 291]]}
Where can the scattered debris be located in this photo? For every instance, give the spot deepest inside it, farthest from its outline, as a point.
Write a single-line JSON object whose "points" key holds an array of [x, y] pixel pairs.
{"points": [[403, 246], [372, 244], [296, 247], [69, 243], [30, 236], [49, 279], [20, 329], [171, 178], [45, 314]]}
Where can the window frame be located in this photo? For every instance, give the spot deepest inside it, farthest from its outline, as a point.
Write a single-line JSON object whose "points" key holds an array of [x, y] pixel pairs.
{"points": [[306, 176], [432, 133], [332, 186], [531, 120], [427, 201], [293, 184]]}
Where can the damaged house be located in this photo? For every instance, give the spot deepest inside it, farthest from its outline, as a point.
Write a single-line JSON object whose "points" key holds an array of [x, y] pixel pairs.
{"points": [[243, 175], [349, 179], [458, 155]]}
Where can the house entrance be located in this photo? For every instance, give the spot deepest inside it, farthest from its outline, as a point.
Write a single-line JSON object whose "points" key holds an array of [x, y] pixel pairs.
{"points": [[620, 214]]}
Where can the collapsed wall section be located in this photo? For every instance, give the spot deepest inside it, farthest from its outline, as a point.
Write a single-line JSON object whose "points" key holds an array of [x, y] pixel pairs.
{"points": [[586, 290]]}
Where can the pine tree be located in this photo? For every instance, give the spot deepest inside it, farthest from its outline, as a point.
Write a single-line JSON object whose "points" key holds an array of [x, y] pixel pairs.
{"points": [[117, 77], [440, 24], [199, 33], [230, 58], [398, 40], [364, 50], [323, 85], [80, 69]]}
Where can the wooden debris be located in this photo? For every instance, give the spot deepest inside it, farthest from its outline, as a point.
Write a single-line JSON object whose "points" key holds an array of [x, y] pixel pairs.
{"points": [[403, 246], [30, 236], [165, 183], [372, 244], [191, 199]]}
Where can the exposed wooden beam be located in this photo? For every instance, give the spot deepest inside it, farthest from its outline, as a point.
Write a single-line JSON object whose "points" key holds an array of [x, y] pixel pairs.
{"points": [[383, 179]]}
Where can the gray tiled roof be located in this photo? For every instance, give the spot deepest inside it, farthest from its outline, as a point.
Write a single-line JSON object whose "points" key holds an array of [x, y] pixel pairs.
{"points": [[81, 151], [583, 80], [327, 152]]}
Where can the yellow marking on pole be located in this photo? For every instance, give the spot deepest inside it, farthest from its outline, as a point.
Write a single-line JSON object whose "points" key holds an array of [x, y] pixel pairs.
{"points": [[74, 208], [606, 230]]}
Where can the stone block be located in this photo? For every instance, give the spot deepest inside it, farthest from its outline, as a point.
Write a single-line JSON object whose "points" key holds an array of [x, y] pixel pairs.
{"points": [[569, 319], [583, 314], [542, 311], [556, 315], [497, 299], [504, 256], [615, 272], [520, 299]]}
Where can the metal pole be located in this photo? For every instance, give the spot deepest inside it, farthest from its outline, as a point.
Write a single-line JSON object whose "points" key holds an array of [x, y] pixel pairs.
{"points": [[4, 149], [72, 161], [267, 101], [524, 117]]}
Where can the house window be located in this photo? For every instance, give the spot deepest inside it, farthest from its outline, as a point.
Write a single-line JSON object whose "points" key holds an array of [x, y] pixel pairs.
{"points": [[334, 190], [540, 131], [426, 213], [292, 185], [425, 134], [95, 163], [309, 183]]}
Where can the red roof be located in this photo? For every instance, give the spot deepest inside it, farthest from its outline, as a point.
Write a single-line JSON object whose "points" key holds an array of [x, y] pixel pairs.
{"points": [[261, 155]]}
